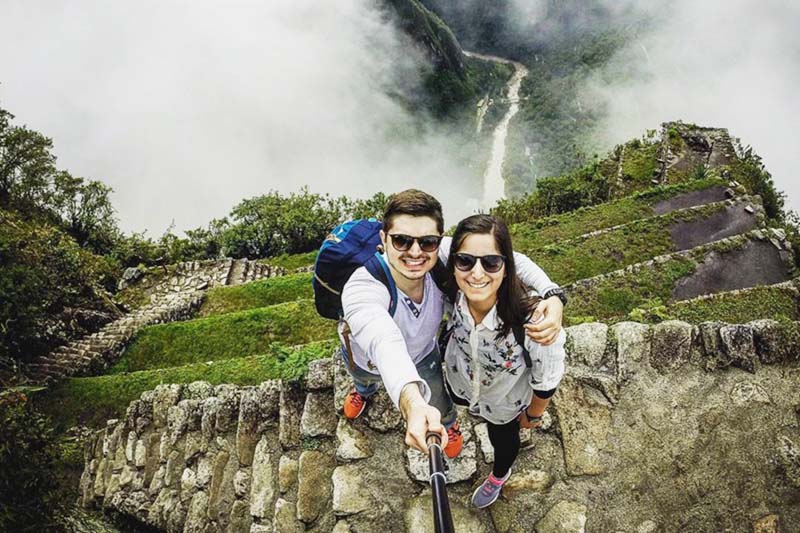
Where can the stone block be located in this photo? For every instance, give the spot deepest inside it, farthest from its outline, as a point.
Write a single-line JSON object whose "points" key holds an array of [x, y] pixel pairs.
{"points": [[671, 345], [525, 482], [632, 341], [164, 397], [461, 468], [287, 473], [418, 516], [584, 416], [285, 518], [353, 444], [241, 483], [262, 493], [319, 417], [258, 406], [586, 344], [292, 401], [738, 343], [196, 516], [320, 374], [240, 519], [314, 484], [381, 414], [227, 412], [775, 342], [349, 496], [563, 517], [197, 390]]}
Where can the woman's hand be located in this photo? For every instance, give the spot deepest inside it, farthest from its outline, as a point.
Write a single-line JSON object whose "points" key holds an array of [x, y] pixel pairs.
{"points": [[546, 321], [526, 423]]}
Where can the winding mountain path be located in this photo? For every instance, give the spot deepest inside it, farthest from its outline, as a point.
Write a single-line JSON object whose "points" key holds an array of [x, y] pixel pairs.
{"points": [[493, 182]]}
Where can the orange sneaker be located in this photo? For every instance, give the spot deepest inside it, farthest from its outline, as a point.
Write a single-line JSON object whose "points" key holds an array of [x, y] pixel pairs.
{"points": [[354, 404], [454, 442]]}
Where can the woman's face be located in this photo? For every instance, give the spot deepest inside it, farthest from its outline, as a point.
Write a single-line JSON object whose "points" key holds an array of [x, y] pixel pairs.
{"points": [[478, 285]]}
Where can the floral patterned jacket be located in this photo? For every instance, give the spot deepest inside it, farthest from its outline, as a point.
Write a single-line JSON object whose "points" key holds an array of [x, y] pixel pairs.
{"points": [[490, 373]]}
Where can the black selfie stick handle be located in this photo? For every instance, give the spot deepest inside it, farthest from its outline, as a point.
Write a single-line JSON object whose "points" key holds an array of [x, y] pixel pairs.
{"points": [[442, 518]]}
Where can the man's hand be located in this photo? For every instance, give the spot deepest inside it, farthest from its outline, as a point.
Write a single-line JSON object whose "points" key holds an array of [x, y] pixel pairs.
{"points": [[420, 417], [546, 321]]}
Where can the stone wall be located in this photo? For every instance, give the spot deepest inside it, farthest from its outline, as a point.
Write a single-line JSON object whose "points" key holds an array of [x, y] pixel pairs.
{"points": [[671, 427], [176, 297]]}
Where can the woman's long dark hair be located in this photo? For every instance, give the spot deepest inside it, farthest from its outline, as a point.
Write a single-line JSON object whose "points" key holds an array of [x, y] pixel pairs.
{"points": [[513, 303]]}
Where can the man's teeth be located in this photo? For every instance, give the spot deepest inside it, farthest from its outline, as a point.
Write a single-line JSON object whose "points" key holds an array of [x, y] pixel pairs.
{"points": [[414, 262], [478, 285]]}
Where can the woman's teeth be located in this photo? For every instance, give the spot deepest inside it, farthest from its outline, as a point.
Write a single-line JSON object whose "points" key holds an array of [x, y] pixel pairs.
{"points": [[478, 285]]}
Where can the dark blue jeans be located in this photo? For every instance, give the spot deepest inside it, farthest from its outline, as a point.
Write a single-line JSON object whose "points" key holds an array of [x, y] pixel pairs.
{"points": [[429, 369]]}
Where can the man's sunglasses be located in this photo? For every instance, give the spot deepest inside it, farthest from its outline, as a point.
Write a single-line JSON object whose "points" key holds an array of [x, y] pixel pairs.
{"points": [[490, 263], [427, 243]]}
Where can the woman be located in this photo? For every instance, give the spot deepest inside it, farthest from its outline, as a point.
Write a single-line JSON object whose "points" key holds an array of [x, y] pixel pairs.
{"points": [[485, 365]]}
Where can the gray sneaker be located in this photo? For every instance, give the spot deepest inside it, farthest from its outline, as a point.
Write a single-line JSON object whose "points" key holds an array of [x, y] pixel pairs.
{"points": [[488, 492]]}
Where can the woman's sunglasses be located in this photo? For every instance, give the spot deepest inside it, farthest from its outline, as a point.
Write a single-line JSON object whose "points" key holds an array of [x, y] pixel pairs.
{"points": [[490, 263], [427, 243]]}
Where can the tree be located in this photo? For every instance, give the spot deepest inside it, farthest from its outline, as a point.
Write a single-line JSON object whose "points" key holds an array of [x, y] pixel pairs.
{"points": [[26, 164], [86, 210]]}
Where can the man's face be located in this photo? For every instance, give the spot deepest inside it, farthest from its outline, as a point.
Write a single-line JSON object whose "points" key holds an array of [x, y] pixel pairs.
{"points": [[413, 263]]}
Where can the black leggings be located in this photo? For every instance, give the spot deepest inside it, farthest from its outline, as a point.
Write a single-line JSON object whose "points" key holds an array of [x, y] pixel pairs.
{"points": [[504, 438]]}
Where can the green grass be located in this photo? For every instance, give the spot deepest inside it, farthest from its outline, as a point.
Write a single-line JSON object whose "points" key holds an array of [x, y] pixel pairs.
{"points": [[586, 258], [261, 293], [587, 219], [639, 163], [225, 336], [638, 241], [93, 400], [779, 303], [293, 261], [618, 295]]}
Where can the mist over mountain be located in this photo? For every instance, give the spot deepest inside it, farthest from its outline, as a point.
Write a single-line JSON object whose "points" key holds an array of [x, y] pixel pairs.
{"points": [[608, 69]]}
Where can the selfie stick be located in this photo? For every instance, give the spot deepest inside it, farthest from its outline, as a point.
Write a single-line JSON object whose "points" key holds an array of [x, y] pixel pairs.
{"points": [[443, 520]]}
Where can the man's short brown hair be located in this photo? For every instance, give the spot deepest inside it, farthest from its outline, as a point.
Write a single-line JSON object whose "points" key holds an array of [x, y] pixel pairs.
{"points": [[415, 203]]}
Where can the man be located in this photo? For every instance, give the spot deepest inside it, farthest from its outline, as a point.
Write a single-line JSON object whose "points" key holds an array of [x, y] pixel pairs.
{"points": [[401, 351]]}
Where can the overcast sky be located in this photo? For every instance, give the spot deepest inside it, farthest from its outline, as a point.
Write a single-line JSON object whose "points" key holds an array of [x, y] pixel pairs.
{"points": [[186, 108]]}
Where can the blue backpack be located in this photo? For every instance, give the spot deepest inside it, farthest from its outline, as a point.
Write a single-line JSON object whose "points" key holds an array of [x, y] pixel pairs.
{"points": [[347, 247]]}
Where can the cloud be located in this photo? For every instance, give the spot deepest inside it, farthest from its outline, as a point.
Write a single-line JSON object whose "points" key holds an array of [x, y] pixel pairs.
{"points": [[731, 64], [187, 108]]}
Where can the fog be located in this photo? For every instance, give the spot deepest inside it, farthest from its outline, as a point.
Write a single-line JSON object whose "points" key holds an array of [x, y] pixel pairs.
{"points": [[184, 109], [732, 64]]}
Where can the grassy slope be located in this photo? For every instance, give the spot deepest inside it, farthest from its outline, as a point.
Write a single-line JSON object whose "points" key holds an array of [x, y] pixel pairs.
{"points": [[776, 302], [261, 293], [224, 337], [93, 400], [617, 248]]}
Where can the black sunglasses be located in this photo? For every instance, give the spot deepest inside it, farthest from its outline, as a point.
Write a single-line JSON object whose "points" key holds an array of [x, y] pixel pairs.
{"points": [[427, 243], [490, 263]]}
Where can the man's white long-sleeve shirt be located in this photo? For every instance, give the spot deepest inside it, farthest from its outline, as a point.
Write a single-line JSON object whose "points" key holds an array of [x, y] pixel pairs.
{"points": [[392, 345]]}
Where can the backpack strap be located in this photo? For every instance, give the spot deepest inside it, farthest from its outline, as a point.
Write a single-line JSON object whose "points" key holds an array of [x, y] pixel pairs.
{"points": [[519, 336], [376, 266], [379, 270]]}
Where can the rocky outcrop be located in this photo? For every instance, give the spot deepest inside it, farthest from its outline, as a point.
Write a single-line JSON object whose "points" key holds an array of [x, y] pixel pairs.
{"points": [[176, 297], [655, 428]]}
